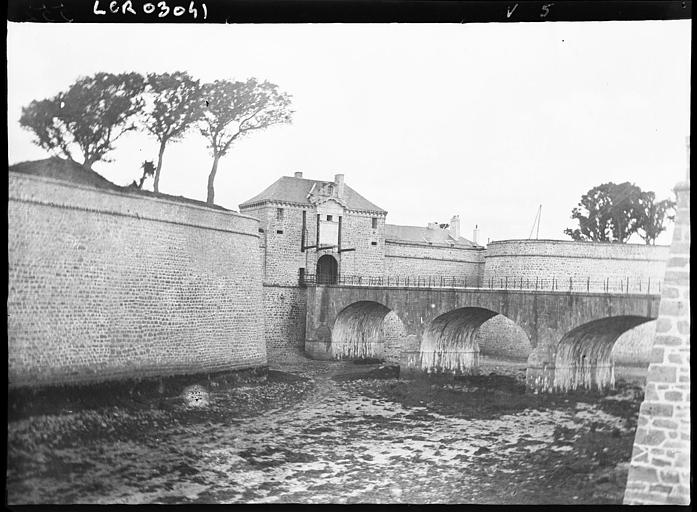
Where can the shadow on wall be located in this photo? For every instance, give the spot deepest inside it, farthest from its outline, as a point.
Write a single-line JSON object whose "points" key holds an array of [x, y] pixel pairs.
{"points": [[449, 344], [633, 348], [393, 334], [367, 329], [583, 356], [501, 338], [456, 341]]}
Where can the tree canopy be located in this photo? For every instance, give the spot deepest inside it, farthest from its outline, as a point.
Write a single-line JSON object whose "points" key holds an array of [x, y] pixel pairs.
{"points": [[173, 105], [235, 109], [84, 122], [88, 118], [654, 216], [614, 212]]}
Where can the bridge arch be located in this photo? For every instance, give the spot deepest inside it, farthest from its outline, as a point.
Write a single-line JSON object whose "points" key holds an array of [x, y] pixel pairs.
{"points": [[584, 354], [450, 342], [367, 329]]}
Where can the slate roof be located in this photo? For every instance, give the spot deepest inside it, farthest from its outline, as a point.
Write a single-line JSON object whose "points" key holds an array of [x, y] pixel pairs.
{"points": [[424, 235], [66, 170], [289, 189]]}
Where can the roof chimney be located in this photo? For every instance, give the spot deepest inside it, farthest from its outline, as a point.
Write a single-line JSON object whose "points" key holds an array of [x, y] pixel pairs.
{"points": [[298, 174], [432, 225], [475, 234], [455, 226], [339, 182]]}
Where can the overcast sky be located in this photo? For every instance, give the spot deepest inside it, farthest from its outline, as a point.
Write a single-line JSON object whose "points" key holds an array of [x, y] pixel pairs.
{"points": [[487, 121]]}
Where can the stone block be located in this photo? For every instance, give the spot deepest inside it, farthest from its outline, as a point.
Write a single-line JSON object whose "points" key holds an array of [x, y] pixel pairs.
{"points": [[678, 277], [668, 341], [678, 499], [677, 262], [669, 476], [671, 308], [661, 373], [675, 359], [641, 473], [663, 423], [660, 462], [664, 325], [660, 489], [670, 292], [684, 328], [650, 437], [656, 409], [673, 396], [657, 354]]}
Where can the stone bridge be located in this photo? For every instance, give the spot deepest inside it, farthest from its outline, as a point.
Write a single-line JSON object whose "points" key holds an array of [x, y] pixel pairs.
{"points": [[572, 333]]}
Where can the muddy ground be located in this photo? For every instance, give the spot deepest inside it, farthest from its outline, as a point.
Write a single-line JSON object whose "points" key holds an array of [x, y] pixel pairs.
{"points": [[334, 432]]}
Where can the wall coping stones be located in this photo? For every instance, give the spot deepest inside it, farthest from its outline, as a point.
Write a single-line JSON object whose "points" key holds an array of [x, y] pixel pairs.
{"points": [[58, 193], [568, 242], [392, 241]]}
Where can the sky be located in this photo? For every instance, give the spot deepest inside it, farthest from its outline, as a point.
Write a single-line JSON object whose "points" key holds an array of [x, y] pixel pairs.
{"points": [[486, 121]]}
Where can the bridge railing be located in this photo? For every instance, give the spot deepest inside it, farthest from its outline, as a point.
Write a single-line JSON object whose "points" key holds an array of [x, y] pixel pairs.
{"points": [[573, 284]]}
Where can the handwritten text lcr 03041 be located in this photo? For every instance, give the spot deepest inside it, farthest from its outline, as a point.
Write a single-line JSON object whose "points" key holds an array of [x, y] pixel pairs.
{"points": [[162, 9]]}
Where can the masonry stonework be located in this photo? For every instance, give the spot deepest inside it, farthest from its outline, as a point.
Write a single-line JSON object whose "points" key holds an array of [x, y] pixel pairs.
{"points": [[411, 259], [108, 285], [660, 467], [280, 228], [580, 261], [284, 320], [329, 219], [367, 259], [502, 338], [300, 221]]}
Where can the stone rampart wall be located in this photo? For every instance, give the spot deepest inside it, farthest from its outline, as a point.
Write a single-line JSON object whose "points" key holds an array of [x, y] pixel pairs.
{"points": [[660, 467], [547, 259], [107, 285], [412, 259], [284, 320]]}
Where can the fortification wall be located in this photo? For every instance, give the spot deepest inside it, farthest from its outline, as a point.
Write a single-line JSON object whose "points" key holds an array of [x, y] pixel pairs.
{"points": [[546, 259], [659, 471], [280, 228], [414, 259], [106, 285], [358, 233], [284, 320]]}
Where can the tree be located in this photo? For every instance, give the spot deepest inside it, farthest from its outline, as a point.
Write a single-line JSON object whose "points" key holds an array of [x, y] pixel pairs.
{"points": [[87, 118], [175, 105], [234, 109], [608, 213], [654, 216]]}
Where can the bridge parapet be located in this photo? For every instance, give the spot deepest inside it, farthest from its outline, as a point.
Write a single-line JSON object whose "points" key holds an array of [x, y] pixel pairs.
{"points": [[609, 285]]}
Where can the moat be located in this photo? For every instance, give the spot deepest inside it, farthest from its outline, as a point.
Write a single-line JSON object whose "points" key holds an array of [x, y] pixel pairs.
{"points": [[335, 432]]}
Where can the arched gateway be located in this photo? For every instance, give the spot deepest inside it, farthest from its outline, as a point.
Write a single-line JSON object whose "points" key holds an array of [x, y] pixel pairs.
{"points": [[327, 270]]}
